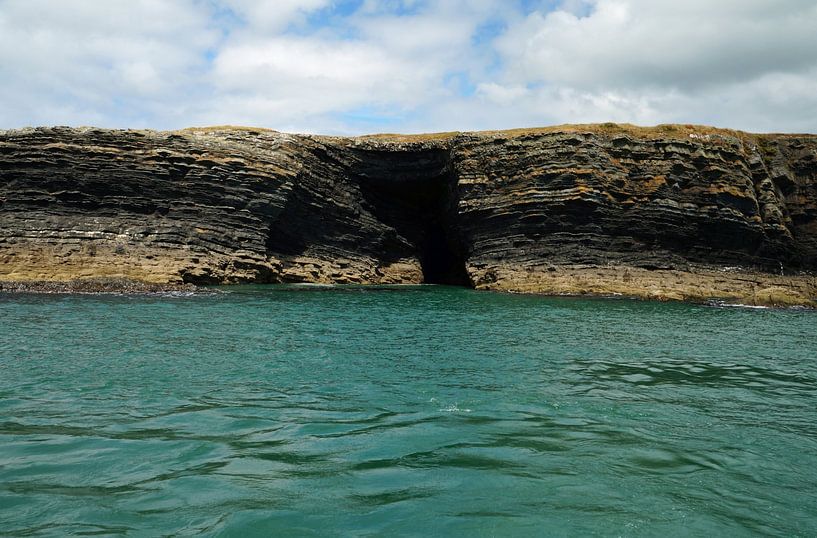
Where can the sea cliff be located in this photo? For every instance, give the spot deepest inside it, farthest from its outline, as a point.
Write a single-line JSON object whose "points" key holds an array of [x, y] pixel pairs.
{"points": [[670, 212]]}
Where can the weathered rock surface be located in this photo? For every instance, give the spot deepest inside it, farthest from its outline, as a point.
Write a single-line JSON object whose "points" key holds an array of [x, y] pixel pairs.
{"points": [[676, 212]]}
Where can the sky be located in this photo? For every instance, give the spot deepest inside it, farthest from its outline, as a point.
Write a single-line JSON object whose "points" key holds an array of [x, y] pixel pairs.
{"points": [[367, 66]]}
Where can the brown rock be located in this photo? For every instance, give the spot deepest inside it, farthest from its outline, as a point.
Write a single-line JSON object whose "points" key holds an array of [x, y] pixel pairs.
{"points": [[674, 212]]}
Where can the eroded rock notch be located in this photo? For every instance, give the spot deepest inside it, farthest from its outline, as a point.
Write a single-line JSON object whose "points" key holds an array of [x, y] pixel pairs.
{"points": [[415, 192]]}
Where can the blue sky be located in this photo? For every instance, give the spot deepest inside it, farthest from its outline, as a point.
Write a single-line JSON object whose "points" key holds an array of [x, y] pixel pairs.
{"points": [[359, 66]]}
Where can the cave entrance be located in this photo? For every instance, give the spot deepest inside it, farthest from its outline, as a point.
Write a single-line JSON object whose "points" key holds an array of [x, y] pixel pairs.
{"points": [[440, 263], [415, 192], [440, 250]]}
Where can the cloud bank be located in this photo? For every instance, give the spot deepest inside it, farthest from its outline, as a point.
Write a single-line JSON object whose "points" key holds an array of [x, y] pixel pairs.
{"points": [[359, 66]]}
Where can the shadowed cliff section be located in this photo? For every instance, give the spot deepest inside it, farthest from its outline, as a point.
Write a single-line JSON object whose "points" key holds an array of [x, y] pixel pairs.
{"points": [[415, 193], [673, 211]]}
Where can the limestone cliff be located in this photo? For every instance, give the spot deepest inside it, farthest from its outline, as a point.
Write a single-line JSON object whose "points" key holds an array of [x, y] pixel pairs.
{"points": [[673, 211]]}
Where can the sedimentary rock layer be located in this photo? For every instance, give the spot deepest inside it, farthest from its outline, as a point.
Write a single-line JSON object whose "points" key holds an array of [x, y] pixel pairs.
{"points": [[672, 211]]}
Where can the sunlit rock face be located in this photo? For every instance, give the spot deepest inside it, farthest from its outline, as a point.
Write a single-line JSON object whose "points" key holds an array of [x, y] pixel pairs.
{"points": [[652, 202], [515, 210]]}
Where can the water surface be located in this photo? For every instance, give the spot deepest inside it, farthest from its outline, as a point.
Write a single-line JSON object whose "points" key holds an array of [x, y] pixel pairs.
{"points": [[420, 411]]}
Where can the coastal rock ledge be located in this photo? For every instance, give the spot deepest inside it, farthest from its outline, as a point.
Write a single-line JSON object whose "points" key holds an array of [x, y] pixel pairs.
{"points": [[669, 212]]}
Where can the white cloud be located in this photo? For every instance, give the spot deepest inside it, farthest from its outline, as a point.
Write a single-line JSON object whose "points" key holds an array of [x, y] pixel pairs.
{"points": [[747, 64], [392, 64], [72, 62], [270, 16], [687, 45], [296, 76], [410, 65], [502, 95]]}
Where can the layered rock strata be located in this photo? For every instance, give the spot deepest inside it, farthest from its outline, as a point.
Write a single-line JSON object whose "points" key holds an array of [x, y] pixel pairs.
{"points": [[679, 212]]}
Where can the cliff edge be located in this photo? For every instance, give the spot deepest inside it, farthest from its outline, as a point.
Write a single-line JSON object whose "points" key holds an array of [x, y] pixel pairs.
{"points": [[670, 212]]}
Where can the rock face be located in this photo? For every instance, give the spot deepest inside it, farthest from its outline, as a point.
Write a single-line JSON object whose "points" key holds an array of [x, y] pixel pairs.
{"points": [[672, 211]]}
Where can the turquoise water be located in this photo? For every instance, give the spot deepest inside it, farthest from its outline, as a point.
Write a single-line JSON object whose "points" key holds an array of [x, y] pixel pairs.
{"points": [[268, 411]]}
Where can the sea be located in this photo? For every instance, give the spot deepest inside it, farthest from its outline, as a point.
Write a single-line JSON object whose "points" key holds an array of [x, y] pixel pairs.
{"points": [[403, 411]]}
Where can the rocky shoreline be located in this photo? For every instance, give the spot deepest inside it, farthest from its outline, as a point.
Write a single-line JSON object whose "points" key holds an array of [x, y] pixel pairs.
{"points": [[704, 286], [94, 286], [674, 212]]}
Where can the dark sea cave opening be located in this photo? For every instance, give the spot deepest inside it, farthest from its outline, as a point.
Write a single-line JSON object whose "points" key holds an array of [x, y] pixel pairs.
{"points": [[416, 193], [440, 250]]}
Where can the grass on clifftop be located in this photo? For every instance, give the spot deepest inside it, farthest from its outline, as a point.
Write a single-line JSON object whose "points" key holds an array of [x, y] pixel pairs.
{"points": [[227, 128], [666, 130], [658, 131]]}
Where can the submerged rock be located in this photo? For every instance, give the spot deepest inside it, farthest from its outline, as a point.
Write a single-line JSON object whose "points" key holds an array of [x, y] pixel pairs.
{"points": [[673, 212]]}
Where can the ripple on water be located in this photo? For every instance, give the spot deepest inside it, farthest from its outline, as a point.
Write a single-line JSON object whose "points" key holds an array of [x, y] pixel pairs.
{"points": [[425, 411]]}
